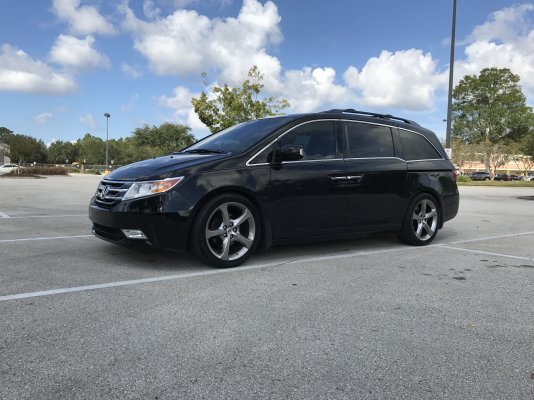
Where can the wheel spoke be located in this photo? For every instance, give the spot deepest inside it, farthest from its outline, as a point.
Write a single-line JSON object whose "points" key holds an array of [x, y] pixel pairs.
{"points": [[217, 232], [245, 241], [430, 214], [242, 218], [224, 211], [423, 207], [419, 229], [225, 249], [427, 228]]}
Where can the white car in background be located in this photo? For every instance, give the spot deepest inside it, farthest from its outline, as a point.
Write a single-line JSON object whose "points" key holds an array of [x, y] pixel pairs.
{"points": [[7, 168]]}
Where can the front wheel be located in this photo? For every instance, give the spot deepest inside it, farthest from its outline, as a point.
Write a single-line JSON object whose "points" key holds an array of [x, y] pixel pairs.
{"points": [[420, 225], [226, 231]]}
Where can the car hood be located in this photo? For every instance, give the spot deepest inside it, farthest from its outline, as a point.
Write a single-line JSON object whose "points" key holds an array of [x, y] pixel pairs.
{"points": [[160, 167]]}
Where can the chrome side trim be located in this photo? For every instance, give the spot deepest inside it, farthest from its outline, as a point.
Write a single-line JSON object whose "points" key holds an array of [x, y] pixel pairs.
{"points": [[308, 161], [375, 158], [248, 164]]}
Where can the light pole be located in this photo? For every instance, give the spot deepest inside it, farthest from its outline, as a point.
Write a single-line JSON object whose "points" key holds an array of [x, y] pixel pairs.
{"points": [[451, 75], [107, 125]]}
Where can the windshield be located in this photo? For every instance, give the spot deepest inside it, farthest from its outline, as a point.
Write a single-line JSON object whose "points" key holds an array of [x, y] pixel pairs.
{"points": [[239, 138]]}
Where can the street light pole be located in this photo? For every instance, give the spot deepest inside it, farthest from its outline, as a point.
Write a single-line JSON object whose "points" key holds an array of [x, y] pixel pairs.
{"points": [[107, 125], [451, 75]]}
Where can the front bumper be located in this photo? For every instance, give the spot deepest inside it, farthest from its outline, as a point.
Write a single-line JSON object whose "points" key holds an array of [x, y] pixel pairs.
{"points": [[165, 230]]}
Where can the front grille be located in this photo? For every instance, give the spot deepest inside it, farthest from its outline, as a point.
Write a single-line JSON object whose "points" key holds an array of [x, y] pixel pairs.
{"points": [[110, 193]]}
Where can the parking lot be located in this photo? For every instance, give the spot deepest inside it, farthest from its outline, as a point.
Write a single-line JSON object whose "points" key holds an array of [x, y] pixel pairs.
{"points": [[368, 318]]}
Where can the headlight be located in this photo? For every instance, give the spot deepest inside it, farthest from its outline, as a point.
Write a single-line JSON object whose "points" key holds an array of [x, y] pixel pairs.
{"points": [[148, 188]]}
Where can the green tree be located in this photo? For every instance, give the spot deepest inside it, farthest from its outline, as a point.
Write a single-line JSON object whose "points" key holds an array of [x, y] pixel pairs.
{"points": [[228, 106], [490, 110], [5, 134], [92, 149], [59, 152], [23, 148], [163, 139]]}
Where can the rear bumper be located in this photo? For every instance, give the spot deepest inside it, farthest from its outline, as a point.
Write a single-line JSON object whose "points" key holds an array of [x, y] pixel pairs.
{"points": [[163, 230], [450, 205]]}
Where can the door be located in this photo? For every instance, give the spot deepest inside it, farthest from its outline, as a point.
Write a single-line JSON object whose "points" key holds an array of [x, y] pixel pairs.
{"points": [[376, 178], [308, 196]]}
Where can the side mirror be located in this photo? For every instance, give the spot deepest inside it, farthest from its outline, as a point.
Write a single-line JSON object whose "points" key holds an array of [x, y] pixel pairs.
{"points": [[291, 153]]}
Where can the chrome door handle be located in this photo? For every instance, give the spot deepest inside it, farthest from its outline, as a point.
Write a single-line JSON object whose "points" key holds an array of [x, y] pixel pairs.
{"points": [[354, 177], [338, 178]]}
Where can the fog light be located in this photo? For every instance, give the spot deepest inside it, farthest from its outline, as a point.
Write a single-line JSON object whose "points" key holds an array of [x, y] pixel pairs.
{"points": [[134, 234]]}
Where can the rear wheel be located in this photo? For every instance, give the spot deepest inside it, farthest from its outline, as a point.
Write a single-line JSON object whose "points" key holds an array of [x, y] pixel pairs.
{"points": [[420, 225], [226, 231]]}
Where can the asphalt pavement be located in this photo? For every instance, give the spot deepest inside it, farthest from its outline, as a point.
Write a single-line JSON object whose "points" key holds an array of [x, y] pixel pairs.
{"points": [[368, 318]]}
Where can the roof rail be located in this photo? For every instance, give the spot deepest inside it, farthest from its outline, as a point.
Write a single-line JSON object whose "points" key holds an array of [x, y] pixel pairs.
{"points": [[370, 114]]}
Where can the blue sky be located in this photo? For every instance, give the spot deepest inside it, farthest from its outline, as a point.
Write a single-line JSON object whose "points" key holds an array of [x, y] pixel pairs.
{"points": [[64, 63]]}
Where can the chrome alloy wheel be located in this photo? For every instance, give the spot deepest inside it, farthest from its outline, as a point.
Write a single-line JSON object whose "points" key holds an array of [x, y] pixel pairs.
{"points": [[425, 219], [230, 231]]}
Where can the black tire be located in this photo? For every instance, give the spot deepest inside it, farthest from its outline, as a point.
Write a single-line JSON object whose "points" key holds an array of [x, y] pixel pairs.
{"points": [[226, 231], [487, 179], [421, 221]]}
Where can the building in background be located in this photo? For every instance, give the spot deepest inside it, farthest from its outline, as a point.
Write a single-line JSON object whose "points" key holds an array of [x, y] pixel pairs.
{"points": [[4, 151]]}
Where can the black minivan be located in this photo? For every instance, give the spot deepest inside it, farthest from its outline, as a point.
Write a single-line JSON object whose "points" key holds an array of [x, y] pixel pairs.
{"points": [[325, 175]]}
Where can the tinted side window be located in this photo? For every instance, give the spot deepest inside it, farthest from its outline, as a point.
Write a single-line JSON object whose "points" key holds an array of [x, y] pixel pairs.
{"points": [[366, 140], [318, 140], [416, 147]]}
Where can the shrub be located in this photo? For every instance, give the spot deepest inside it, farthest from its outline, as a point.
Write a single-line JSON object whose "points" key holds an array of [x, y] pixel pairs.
{"points": [[92, 171], [463, 178], [28, 171]]}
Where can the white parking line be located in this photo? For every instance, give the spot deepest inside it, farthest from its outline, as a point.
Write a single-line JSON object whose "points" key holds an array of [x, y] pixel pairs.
{"points": [[44, 238], [133, 282], [486, 252], [3, 215], [493, 237], [245, 268]]}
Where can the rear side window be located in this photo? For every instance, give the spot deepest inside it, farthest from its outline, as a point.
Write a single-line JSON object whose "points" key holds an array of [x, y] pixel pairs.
{"points": [[417, 147], [318, 140], [367, 141]]}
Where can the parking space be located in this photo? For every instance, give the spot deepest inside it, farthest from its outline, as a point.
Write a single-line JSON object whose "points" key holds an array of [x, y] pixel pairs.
{"points": [[368, 318]]}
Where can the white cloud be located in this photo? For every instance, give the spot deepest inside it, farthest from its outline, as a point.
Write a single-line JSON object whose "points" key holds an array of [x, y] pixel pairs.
{"points": [[77, 53], [150, 9], [504, 25], [21, 73], [131, 71], [310, 89], [405, 79], [506, 40], [185, 42], [184, 112], [89, 120], [43, 118], [83, 20]]}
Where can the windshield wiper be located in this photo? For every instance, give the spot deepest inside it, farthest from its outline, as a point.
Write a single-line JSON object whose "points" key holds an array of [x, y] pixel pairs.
{"points": [[204, 151]]}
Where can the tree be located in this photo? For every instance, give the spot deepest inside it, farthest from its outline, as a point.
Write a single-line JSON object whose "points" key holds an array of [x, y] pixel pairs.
{"points": [[92, 149], [490, 110], [59, 152], [462, 152], [164, 139], [5, 134], [23, 148], [228, 106]]}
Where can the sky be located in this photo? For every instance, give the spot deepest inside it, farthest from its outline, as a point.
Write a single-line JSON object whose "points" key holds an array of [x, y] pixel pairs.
{"points": [[64, 63]]}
